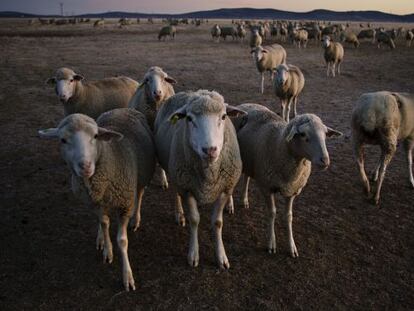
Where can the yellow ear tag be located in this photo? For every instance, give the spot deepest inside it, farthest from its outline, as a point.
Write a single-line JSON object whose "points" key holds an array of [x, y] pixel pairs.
{"points": [[174, 119]]}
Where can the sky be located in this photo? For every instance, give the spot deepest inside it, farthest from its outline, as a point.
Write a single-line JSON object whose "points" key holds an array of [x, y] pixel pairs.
{"points": [[184, 6]]}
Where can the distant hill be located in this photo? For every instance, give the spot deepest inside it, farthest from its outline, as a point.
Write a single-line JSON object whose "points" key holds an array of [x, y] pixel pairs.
{"points": [[250, 13]]}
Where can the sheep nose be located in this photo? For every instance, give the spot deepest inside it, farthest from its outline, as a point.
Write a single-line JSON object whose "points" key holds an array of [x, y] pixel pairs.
{"points": [[325, 161], [85, 165], [62, 97], [211, 151]]}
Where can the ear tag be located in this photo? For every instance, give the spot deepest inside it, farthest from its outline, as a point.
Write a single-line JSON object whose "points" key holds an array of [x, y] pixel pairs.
{"points": [[174, 119]]}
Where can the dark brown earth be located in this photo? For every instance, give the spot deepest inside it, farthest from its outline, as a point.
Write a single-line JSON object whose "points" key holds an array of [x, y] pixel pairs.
{"points": [[353, 255]]}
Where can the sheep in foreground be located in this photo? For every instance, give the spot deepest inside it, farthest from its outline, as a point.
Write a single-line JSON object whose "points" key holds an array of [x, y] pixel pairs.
{"points": [[288, 84], [383, 118], [167, 31], [94, 97], [155, 89], [216, 32], [112, 160], [334, 55], [267, 58], [409, 37], [228, 31], [385, 38], [279, 156], [255, 39], [350, 37], [197, 144]]}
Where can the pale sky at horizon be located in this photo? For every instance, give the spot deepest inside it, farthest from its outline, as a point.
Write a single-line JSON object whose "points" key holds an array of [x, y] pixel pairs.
{"points": [[184, 6]]}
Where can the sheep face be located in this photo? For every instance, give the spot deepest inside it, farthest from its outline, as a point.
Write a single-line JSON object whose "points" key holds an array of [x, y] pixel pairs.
{"points": [[79, 136], [307, 140], [156, 83], [258, 53], [282, 74], [65, 83], [205, 123], [326, 41]]}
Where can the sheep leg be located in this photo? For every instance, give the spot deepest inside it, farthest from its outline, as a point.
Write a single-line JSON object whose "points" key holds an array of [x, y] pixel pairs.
{"points": [[230, 205], [295, 101], [122, 239], [409, 150], [333, 69], [179, 212], [107, 247], [262, 83], [194, 218], [270, 202], [100, 239], [289, 217], [138, 202], [288, 103], [359, 154], [160, 178], [388, 151], [245, 191], [284, 103], [375, 172], [339, 68], [328, 69], [217, 224]]}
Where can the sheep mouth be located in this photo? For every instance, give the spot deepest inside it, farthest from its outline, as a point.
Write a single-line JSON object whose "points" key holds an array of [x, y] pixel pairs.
{"points": [[321, 167]]}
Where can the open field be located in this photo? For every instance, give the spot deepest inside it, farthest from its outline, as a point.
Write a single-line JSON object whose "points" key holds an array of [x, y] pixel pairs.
{"points": [[352, 255]]}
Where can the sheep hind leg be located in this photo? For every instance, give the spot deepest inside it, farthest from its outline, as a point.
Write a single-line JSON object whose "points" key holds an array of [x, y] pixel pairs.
{"points": [[339, 68], [359, 154], [375, 172], [386, 156], [107, 246], [262, 83], [328, 69], [295, 101], [333, 69], [137, 209], [271, 206], [408, 145], [217, 224], [179, 212], [122, 239], [289, 218], [288, 110], [245, 191]]}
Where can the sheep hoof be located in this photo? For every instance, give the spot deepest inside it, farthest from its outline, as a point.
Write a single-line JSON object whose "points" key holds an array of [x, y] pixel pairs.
{"points": [[128, 281], [193, 259], [107, 255], [272, 250], [246, 205], [99, 243], [294, 253], [180, 220], [224, 263]]}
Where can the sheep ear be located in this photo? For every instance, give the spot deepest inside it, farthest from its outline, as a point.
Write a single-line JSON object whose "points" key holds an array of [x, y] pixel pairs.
{"points": [[265, 51], [233, 111], [49, 133], [178, 114], [78, 77], [332, 133], [170, 80], [292, 133], [51, 80], [252, 51], [108, 135]]}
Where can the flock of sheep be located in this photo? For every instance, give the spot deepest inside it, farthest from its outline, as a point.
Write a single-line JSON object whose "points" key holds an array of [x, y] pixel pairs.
{"points": [[118, 134]]}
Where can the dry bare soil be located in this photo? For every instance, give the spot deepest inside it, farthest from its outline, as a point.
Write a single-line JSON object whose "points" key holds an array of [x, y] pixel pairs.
{"points": [[352, 255]]}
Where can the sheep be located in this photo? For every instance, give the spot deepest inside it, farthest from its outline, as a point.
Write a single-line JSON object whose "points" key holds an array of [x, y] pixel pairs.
{"points": [[334, 55], [111, 160], [167, 31], [314, 33], [255, 39], [98, 23], [350, 37], [367, 34], [241, 32], [228, 31], [287, 85], [216, 32], [279, 156], [283, 33], [299, 37], [94, 97], [197, 144], [409, 37], [382, 118], [155, 89], [267, 58], [384, 37]]}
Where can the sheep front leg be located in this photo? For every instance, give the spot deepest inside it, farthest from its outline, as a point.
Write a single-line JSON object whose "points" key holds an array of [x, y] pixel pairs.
{"points": [[283, 104], [245, 191], [138, 202], [339, 68], [271, 206], [217, 224], [295, 101], [194, 218], [328, 64], [262, 83], [100, 239], [409, 150], [289, 217], [359, 155], [122, 239], [107, 246], [230, 205], [333, 69], [179, 212], [288, 103]]}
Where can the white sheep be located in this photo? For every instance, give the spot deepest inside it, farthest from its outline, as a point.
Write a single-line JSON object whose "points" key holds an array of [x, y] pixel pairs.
{"points": [[93, 97], [300, 37], [111, 160], [288, 84], [155, 89], [266, 58], [255, 39], [409, 37], [197, 144], [383, 118], [334, 55], [216, 32], [385, 38], [167, 31], [279, 156]]}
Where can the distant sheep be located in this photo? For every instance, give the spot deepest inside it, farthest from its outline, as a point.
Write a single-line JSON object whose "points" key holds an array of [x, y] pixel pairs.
{"points": [[384, 119], [228, 31], [216, 32], [409, 37], [267, 58], [112, 161], [334, 55], [300, 37], [350, 37], [385, 38], [93, 97], [99, 23], [367, 34], [167, 31], [255, 39]]}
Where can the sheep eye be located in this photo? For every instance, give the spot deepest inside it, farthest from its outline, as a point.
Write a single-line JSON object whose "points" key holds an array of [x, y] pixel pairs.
{"points": [[223, 117], [189, 119], [63, 141], [71, 80], [96, 136]]}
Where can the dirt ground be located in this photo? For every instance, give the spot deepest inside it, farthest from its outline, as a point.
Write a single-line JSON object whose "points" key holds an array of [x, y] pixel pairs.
{"points": [[353, 255]]}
